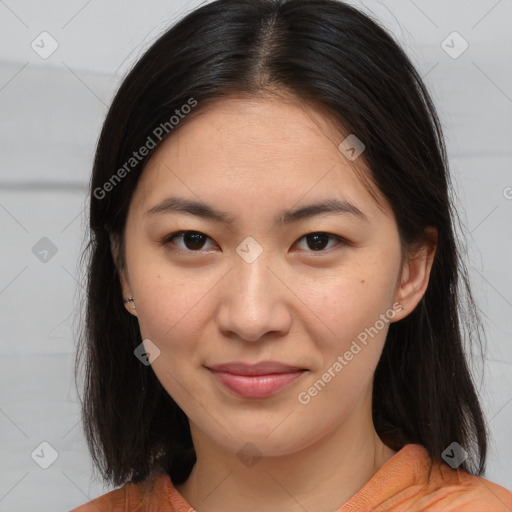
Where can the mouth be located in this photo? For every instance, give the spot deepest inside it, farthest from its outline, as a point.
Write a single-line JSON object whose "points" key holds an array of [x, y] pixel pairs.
{"points": [[256, 381]]}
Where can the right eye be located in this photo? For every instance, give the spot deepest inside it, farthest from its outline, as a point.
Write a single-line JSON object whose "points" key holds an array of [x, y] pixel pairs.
{"points": [[193, 241]]}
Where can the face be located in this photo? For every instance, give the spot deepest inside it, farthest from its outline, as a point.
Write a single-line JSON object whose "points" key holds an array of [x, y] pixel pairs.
{"points": [[313, 291]]}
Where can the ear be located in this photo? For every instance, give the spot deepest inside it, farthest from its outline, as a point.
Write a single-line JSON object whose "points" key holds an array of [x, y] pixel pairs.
{"points": [[415, 273], [123, 279]]}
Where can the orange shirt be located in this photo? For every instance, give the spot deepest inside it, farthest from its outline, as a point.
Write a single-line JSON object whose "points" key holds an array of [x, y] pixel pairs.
{"points": [[401, 484]]}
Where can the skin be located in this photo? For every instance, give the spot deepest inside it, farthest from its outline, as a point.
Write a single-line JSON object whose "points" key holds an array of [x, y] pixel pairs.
{"points": [[254, 157]]}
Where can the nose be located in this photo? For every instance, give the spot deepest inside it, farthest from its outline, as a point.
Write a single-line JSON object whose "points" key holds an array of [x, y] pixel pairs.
{"points": [[254, 301]]}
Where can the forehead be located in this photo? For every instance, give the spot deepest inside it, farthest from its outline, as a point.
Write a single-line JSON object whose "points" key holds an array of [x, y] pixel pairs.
{"points": [[274, 126], [262, 150]]}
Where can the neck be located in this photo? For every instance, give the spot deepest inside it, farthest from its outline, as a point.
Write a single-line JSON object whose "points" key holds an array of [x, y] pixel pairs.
{"points": [[321, 477]]}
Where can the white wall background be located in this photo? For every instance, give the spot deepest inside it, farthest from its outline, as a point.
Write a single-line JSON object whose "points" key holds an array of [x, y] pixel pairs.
{"points": [[51, 113]]}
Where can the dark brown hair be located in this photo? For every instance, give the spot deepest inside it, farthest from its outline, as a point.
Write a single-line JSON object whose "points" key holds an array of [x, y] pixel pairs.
{"points": [[333, 55]]}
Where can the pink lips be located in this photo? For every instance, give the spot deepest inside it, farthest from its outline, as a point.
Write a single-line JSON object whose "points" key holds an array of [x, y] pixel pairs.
{"points": [[256, 381]]}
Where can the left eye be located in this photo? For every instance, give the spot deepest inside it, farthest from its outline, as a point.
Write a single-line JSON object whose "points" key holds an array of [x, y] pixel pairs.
{"points": [[194, 241], [318, 241]]}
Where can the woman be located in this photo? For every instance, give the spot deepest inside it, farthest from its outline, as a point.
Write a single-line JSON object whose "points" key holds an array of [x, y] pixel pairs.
{"points": [[274, 282]]}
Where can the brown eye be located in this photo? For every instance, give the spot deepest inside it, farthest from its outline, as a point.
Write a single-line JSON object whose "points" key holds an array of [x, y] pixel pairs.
{"points": [[192, 240], [317, 242]]}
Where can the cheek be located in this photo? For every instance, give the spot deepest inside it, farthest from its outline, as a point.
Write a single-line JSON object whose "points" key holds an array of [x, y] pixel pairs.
{"points": [[170, 308], [351, 298], [173, 314]]}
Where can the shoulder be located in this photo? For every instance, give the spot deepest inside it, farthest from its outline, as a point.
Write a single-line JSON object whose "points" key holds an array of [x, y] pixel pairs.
{"points": [[446, 489], [114, 501], [151, 494], [410, 481], [457, 490]]}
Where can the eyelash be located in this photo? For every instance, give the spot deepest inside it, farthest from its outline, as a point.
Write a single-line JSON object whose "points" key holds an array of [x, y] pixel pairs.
{"points": [[341, 241]]}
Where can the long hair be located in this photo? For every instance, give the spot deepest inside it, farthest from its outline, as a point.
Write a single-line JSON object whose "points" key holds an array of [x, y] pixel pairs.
{"points": [[333, 55]]}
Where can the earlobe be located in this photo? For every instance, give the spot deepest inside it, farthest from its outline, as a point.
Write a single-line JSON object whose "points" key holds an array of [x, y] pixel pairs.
{"points": [[416, 273], [126, 290]]}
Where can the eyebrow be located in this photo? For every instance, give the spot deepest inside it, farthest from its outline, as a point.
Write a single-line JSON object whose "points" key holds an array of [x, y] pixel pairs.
{"points": [[203, 210]]}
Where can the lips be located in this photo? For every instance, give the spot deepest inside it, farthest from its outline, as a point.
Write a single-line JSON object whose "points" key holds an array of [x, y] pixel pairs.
{"points": [[256, 381]]}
